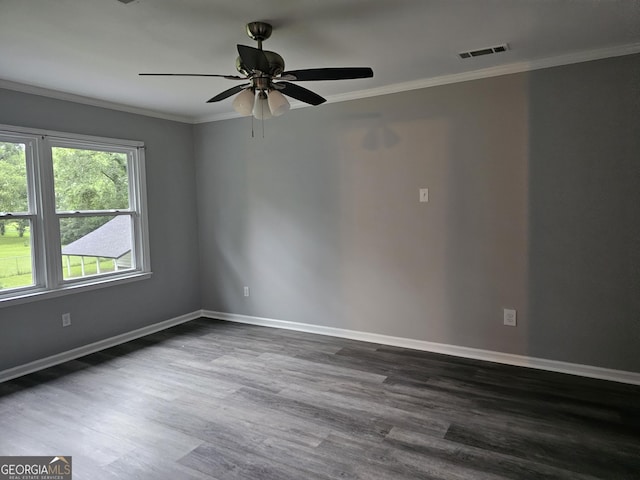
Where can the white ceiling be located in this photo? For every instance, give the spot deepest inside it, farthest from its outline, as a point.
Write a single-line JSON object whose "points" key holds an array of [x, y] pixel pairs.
{"points": [[95, 48]]}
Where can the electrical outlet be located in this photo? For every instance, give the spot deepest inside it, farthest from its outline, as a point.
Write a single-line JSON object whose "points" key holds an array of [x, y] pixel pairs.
{"points": [[246, 291], [66, 319], [510, 317]]}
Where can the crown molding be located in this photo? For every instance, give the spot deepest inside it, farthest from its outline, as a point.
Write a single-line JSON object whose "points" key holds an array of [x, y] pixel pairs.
{"points": [[518, 67], [94, 102]]}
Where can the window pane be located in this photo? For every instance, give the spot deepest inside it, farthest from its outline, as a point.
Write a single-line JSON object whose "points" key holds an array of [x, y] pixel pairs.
{"points": [[15, 254], [90, 180], [13, 177], [95, 245]]}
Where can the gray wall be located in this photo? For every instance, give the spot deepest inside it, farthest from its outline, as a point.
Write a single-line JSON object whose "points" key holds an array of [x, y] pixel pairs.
{"points": [[534, 193], [584, 215], [33, 331]]}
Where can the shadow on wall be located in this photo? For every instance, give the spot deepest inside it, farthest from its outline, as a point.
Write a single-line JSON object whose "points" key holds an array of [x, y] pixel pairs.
{"points": [[439, 271], [485, 215], [584, 215]]}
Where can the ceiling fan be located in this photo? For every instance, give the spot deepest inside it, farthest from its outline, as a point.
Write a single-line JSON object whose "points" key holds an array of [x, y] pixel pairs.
{"points": [[262, 95]]}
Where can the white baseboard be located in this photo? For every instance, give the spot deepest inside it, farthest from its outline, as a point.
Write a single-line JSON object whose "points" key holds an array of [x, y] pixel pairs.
{"points": [[465, 352], [94, 347], [458, 351]]}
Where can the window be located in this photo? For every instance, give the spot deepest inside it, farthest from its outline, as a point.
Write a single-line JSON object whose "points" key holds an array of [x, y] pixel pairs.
{"points": [[72, 213]]}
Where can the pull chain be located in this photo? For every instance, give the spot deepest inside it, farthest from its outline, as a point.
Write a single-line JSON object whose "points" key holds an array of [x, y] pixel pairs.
{"points": [[262, 117]]}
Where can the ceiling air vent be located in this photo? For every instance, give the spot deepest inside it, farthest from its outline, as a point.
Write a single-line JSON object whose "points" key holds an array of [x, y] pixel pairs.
{"points": [[484, 51]]}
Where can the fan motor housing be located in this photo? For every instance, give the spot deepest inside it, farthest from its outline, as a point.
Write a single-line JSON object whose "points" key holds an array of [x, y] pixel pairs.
{"points": [[276, 64]]}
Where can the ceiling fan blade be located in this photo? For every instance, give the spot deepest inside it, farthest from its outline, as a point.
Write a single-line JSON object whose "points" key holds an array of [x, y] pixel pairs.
{"points": [[228, 93], [300, 93], [340, 73], [253, 58], [228, 77]]}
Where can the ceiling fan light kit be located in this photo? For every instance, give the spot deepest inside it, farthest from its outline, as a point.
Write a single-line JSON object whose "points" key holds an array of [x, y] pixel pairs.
{"points": [[268, 82], [261, 109], [278, 104], [244, 101]]}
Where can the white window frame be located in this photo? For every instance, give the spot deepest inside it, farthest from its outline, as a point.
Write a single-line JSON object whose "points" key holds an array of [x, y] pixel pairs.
{"points": [[45, 226]]}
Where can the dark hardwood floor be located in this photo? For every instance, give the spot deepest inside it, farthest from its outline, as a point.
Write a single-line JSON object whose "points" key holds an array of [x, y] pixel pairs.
{"points": [[216, 400]]}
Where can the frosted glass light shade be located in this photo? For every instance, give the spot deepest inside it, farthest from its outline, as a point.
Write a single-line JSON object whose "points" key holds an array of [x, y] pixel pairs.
{"points": [[278, 104], [261, 109], [243, 103]]}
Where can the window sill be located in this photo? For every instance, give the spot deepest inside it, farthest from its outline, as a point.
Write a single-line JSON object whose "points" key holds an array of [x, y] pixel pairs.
{"points": [[32, 296]]}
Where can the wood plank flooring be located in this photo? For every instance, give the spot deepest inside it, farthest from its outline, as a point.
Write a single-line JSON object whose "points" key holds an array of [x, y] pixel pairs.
{"points": [[216, 400]]}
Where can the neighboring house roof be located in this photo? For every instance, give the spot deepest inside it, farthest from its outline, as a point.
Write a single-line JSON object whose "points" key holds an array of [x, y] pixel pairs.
{"points": [[111, 240]]}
